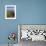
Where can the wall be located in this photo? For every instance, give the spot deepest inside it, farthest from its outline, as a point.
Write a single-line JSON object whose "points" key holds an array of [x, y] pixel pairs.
{"points": [[27, 12]]}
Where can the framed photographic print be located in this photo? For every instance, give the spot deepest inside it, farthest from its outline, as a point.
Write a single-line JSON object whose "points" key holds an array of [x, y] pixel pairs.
{"points": [[10, 11], [33, 32]]}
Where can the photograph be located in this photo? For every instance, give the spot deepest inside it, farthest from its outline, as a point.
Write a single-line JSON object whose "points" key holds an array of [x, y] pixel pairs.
{"points": [[28, 33], [10, 11]]}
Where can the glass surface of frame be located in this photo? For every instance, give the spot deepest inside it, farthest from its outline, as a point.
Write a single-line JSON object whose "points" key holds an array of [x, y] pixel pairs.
{"points": [[35, 32], [10, 11]]}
